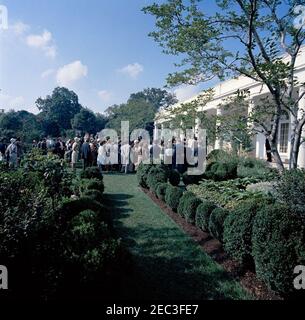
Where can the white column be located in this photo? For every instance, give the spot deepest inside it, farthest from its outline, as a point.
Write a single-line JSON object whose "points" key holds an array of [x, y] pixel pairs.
{"points": [[218, 142], [251, 125], [260, 146], [301, 158]]}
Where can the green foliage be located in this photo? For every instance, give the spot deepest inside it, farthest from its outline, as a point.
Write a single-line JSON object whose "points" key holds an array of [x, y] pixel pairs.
{"points": [[220, 171], [278, 246], [161, 190], [172, 197], [238, 231], [92, 173], [182, 208], [58, 241], [174, 178], [217, 155], [142, 174], [95, 184], [216, 222], [60, 107], [156, 175], [203, 213], [226, 193], [251, 167], [191, 207], [84, 121], [95, 195], [291, 190]]}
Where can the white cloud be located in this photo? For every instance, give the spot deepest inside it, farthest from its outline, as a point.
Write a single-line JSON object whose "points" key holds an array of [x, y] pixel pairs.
{"points": [[71, 73], [8, 102], [47, 73], [44, 42], [186, 92], [132, 70], [105, 95], [19, 28]]}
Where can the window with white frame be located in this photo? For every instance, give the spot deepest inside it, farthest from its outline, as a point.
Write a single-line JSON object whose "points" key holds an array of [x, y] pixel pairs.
{"points": [[284, 135]]}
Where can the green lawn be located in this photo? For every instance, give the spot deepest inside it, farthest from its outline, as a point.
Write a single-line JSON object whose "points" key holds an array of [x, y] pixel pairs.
{"points": [[168, 263]]}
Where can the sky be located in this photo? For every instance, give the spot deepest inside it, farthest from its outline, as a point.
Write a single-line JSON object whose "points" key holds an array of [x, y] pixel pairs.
{"points": [[98, 48]]}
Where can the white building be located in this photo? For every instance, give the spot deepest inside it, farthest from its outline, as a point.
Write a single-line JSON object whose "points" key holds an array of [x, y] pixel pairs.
{"points": [[227, 89]]}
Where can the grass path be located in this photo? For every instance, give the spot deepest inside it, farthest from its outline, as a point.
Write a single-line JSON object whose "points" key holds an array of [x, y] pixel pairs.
{"points": [[168, 263]]}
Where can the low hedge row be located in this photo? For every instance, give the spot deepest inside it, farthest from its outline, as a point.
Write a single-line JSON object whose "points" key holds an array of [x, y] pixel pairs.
{"points": [[261, 235]]}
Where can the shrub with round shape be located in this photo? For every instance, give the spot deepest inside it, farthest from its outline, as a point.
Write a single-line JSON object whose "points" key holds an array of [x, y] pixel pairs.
{"points": [[278, 246], [91, 173], [71, 208], [172, 197], [174, 178], [161, 190], [155, 176], [96, 184], [237, 235], [183, 202], [203, 213], [142, 174], [190, 210], [95, 195], [216, 223]]}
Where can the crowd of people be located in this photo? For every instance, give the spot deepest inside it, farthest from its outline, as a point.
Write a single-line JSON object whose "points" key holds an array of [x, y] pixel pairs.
{"points": [[109, 155]]}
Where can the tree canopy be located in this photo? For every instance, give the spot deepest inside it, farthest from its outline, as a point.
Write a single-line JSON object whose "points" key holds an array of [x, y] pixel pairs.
{"points": [[241, 38]]}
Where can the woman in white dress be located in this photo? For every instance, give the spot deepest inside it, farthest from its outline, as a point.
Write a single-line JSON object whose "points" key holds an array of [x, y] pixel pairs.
{"points": [[101, 155], [75, 152]]}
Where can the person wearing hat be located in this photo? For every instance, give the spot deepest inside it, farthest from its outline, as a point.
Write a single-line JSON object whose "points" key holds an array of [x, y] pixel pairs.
{"points": [[11, 154]]}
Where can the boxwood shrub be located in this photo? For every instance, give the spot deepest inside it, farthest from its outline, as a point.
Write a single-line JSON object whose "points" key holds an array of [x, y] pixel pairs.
{"points": [[96, 184], [216, 223], [142, 174], [174, 178], [161, 190], [237, 235], [278, 246], [172, 197], [190, 209], [182, 208], [203, 213], [155, 176], [91, 173], [95, 195]]}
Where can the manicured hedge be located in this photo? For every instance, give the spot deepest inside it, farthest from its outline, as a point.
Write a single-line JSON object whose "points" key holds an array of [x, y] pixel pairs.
{"points": [[142, 174], [95, 195], [203, 213], [220, 171], [182, 208], [155, 176], [161, 190], [238, 232], [216, 223], [172, 197], [96, 184], [190, 210], [278, 246], [91, 173]]}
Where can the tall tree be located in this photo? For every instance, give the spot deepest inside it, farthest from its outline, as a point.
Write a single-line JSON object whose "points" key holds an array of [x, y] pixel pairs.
{"points": [[157, 97], [60, 107], [85, 121], [243, 37]]}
